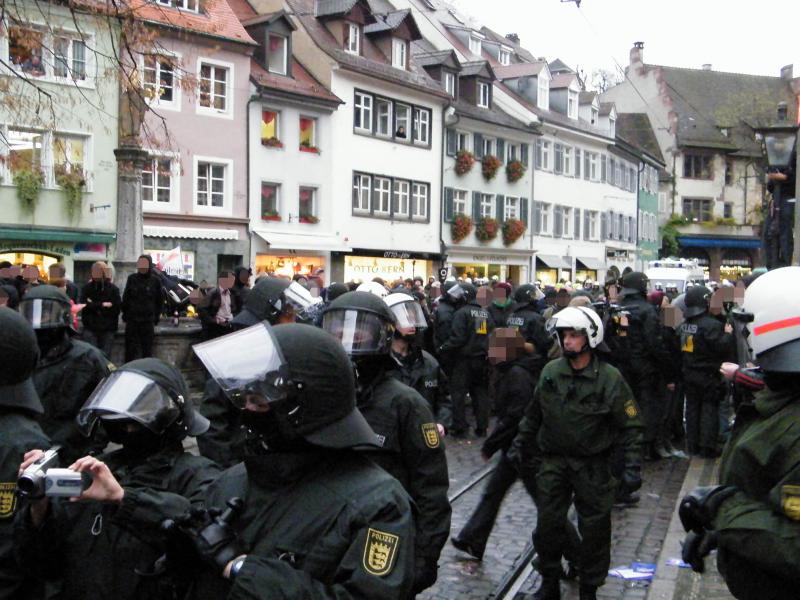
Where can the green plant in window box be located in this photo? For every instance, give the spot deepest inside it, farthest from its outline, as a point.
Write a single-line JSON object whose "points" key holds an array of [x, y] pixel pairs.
{"points": [[306, 146], [487, 229], [513, 230], [29, 184], [272, 142], [271, 215], [515, 170], [309, 218], [72, 184], [461, 227]]}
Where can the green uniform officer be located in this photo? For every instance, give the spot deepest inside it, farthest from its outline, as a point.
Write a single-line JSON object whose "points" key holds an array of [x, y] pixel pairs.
{"points": [[581, 411], [753, 516]]}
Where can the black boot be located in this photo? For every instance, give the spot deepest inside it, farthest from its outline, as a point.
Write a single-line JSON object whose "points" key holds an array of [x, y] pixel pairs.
{"points": [[588, 592], [549, 590]]}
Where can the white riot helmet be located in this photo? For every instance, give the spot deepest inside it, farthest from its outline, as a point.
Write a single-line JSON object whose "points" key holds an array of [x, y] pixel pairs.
{"points": [[581, 319], [407, 311], [772, 326], [373, 287]]}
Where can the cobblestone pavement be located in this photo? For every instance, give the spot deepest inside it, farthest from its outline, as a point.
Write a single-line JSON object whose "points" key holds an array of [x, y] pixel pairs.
{"points": [[638, 532]]}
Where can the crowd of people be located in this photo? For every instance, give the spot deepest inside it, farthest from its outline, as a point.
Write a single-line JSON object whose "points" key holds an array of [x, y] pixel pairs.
{"points": [[321, 470]]}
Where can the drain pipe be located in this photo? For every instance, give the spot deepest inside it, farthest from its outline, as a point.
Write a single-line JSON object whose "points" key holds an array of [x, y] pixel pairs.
{"points": [[441, 187]]}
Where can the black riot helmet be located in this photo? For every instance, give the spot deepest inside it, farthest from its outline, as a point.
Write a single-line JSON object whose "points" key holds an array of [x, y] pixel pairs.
{"points": [[463, 292], [634, 283], [362, 322], [46, 307], [271, 297], [696, 301], [149, 392], [18, 355], [301, 373], [526, 294]]}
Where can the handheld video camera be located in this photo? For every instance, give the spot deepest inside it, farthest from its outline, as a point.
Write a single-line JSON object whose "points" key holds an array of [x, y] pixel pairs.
{"points": [[44, 478]]}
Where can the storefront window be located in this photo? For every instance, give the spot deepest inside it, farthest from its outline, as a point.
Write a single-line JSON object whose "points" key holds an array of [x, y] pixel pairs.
{"points": [[40, 261], [289, 266]]}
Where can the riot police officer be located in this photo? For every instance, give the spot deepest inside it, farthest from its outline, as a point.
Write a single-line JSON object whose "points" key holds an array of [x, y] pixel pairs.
{"points": [[705, 345], [753, 515], [19, 432], [581, 410], [318, 519], [67, 372], [467, 347], [443, 321], [415, 367], [411, 448], [93, 549], [274, 300], [524, 317]]}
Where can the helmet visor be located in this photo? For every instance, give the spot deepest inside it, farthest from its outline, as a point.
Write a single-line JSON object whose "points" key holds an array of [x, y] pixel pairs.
{"points": [[299, 297], [43, 313], [129, 395], [409, 315], [246, 363], [456, 293], [361, 333]]}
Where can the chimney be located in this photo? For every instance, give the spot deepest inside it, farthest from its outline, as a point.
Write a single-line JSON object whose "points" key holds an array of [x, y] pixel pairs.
{"points": [[513, 37], [637, 53], [707, 67], [787, 72]]}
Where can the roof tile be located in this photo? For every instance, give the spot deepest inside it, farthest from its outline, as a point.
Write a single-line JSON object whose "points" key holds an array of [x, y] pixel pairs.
{"points": [[217, 20]]}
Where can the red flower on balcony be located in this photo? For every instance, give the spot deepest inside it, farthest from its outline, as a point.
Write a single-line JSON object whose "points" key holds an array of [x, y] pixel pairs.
{"points": [[272, 142], [487, 229], [461, 227], [513, 230], [489, 165], [515, 170], [464, 161]]}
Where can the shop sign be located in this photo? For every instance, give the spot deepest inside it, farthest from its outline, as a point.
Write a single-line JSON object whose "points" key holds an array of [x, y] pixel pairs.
{"points": [[489, 258], [395, 254], [368, 267], [28, 245]]}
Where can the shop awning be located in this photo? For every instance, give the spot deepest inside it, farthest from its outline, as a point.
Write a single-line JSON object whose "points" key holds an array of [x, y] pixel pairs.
{"points": [[305, 242], [55, 235], [194, 233], [553, 261], [593, 264]]}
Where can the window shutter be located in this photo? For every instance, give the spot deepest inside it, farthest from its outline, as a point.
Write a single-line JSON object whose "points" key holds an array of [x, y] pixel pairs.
{"points": [[501, 207], [523, 154], [631, 229], [603, 168], [478, 146], [476, 206], [558, 163], [355, 192], [537, 217], [578, 163], [452, 142], [501, 150], [577, 233], [558, 224], [448, 205], [586, 165], [603, 226], [612, 171], [523, 210], [585, 224]]}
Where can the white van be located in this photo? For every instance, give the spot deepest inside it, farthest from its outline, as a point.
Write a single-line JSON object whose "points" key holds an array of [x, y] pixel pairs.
{"points": [[675, 273]]}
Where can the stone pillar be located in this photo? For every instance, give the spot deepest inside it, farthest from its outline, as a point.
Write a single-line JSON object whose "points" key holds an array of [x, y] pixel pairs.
{"points": [[129, 245], [714, 263]]}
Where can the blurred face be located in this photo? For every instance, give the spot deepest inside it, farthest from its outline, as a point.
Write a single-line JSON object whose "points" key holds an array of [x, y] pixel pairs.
{"points": [[226, 282], [562, 300], [56, 272], [505, 345], [98, 273], [484, 296], [30, 274], [500, 294], [573, 341], [142, 265], [3, 298], [195, 296], [244, 277], [256, 403]]}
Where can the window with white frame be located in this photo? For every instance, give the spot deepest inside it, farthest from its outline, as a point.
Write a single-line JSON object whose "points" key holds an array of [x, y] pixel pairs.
{"points": [[24, 150], [464, 140], [422, 126], [450, 84], [402, 122], [69, 58], [53, 154], [419, 200], [566, 221], [362, 186], [572, 104], [277, 53], [511, 152], [215, 88], [363, 112], [61, 56], [483, 94], [488, 146], [192, 5], [270, 201], [543, 93], [211, 184], [568, 166], [542, 154], [593, 225], [158, 183], [383, 117], [625, 226], [159, 81], [475, 45], [352, 42], [399, 53], [593, 174], [460, 202], [381, 195], [69, 154], [486, 206], [511, 208], [307, 204], [595, 116], [401, 197], [504, 57], [546, 210]]}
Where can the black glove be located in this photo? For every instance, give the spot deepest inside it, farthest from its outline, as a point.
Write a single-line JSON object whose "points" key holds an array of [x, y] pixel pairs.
{"points": [[696, 547], [632, 478], [425, 573], [699, 507]]}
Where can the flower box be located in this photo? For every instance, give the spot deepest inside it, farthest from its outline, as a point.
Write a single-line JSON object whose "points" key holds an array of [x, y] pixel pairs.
{"points": [[270, 216], [311, 149], [464, 161], [513, 230], [272, 142], [515, 170], [461, 227], [489, 166], [310, 219], [487, 229]]}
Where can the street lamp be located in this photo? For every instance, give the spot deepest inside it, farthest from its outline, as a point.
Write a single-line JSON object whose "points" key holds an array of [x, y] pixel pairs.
{"points": [[779, 141]]}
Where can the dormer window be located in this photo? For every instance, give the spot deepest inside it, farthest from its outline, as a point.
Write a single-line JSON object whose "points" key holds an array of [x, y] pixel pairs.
{"points": [[399, 53], [450, 84], [595, 116], [505, 57], [475, 46], [352, 41], [612, 126], [483, 94], [277, 53], [543, 94], [192, 5], [572, 104]]}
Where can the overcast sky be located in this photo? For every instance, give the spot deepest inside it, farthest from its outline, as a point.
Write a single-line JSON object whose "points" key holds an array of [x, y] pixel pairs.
{"points": [[731, 35]]}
